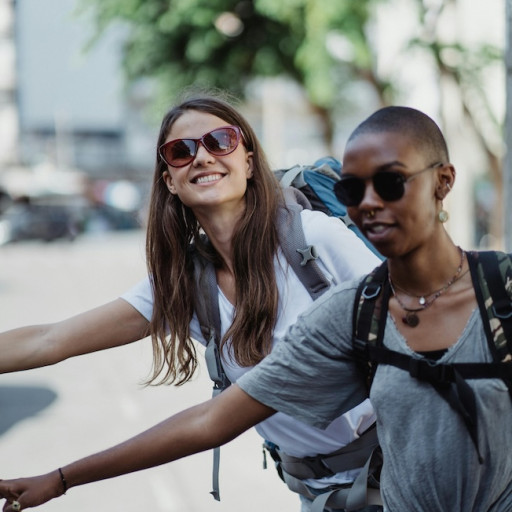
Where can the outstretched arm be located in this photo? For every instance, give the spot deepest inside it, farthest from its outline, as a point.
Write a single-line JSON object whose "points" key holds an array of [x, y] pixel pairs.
{"points": [[113, 324], [199, 428]]}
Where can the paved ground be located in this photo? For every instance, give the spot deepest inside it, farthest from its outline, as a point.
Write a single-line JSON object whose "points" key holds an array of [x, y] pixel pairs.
{"points": [[53, 415]]}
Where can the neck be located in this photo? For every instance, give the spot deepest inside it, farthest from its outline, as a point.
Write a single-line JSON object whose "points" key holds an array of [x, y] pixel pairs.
{"points": [[220, 227], [421, 272]]}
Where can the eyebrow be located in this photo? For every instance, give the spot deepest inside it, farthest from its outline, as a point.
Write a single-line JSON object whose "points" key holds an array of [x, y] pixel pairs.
{"points": [[383, 168], [394, 163]]}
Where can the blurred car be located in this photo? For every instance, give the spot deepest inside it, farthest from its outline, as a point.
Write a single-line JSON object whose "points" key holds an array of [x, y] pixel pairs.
{"points": [[46, 219]]}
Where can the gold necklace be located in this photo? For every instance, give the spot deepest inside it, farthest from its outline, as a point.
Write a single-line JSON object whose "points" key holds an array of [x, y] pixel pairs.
{"points": [[411, 318]]}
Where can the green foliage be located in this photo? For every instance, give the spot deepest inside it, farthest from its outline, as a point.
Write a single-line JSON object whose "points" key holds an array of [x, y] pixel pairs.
{"points": [[225, 43], [323, 45]]}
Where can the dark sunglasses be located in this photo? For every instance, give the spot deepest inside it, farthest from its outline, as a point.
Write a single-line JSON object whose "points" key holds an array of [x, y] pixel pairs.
{"points": [[390, 185], [218, 142]]}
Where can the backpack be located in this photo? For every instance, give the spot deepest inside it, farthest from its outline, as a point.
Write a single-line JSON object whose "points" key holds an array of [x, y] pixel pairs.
{"points": [[491, 274], [316, 182], [304, 187]]}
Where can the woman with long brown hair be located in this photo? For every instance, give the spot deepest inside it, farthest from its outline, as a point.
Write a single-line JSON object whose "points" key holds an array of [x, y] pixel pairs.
{"points": [[214, 197]]}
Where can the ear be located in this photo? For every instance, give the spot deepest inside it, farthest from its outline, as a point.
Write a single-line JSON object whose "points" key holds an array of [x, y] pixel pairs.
{"points": [[168, 181], [445, 180], [250, 164]]}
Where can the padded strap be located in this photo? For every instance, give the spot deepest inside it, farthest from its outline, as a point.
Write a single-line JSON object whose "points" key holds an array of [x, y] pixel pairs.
{"points": [[300, 256], [207, 311], [348, 497], [492, 278], [352, 456]]}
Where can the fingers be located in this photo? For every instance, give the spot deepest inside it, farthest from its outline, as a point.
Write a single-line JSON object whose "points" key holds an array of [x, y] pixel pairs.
{"points": [[11, 496], [12, 506]]}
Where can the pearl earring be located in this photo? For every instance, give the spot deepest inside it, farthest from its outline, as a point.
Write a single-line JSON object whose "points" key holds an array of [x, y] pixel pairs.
{"points": [[443, 216]]}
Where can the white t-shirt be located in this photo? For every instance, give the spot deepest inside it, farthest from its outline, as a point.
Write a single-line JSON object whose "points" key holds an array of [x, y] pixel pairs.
{"points": [[342, 256]]}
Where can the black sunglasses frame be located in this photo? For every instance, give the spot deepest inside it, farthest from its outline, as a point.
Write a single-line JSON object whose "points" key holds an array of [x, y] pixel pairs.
{"points": [[201, 140], [389, 185]]}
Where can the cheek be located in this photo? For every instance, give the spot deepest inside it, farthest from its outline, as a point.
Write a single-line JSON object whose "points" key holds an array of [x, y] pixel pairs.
{"points": [[355, 215]]}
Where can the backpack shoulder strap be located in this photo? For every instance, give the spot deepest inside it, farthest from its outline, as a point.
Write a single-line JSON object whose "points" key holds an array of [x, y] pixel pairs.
{"points": [[369, 317], [300, 256], [206, 307], [491, 272]]}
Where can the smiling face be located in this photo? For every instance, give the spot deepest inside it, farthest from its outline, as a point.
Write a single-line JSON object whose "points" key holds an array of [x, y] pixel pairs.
{"points": [[400, 226], [209, 180]]}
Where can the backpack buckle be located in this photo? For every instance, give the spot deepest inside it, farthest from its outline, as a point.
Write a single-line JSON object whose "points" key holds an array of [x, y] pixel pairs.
{"points": [[423, 369], [502, 310], [371, 291]]}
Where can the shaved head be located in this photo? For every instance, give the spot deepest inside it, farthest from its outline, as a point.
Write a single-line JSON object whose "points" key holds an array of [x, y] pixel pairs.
{"points": [[409, 122]]}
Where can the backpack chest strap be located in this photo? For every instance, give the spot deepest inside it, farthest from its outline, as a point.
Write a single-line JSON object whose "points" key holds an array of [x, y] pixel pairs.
{"points": [[448, 380]]}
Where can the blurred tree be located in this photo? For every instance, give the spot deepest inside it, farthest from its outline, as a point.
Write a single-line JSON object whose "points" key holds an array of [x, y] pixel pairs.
{"points": [[463, 68], [226, 43], [323, 45]]}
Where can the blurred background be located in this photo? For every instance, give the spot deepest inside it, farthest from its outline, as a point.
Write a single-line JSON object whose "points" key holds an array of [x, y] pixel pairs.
{"points": [[83, 87], [82, 94]]}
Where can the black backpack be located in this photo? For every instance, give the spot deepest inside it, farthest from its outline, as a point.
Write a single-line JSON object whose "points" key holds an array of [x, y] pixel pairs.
{"points": [[491, 273]]}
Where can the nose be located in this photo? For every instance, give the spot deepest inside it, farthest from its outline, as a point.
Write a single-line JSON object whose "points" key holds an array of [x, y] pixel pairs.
{"points": [[371, 200], [202, 155]]}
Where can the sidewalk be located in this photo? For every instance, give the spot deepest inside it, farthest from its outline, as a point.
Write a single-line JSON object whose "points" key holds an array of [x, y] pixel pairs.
{"points": [[51, 416]]}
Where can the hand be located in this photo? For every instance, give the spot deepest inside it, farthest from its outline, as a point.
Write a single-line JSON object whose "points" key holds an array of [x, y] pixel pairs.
{"points": [[30, 492]]}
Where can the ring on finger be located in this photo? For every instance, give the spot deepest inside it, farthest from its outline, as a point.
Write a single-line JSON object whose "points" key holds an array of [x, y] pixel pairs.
{"points": [[16, 506]]}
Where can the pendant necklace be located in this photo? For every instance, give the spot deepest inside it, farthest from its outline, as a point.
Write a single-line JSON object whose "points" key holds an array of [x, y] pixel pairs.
{"points": [[411, 318]]}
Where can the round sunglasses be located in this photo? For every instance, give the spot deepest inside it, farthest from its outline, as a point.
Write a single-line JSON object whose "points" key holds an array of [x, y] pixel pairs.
{"points": [[389, 185], [219, 142]]}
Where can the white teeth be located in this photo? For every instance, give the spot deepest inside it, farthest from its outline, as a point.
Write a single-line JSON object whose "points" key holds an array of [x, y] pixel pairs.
{"points": [[377, 228], [210, 177]]}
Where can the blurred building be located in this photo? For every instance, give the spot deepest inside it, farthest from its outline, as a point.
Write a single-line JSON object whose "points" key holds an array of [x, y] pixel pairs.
{"points": [[8, 107], [62, 104]]}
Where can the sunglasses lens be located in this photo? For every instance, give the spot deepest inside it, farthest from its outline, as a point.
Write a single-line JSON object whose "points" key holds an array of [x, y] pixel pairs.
{"points": [[349, 191], [180, 152], [389, 185], [222, 141]]}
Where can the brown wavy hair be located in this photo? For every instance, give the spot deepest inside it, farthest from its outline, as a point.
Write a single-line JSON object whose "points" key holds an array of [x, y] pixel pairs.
{"points": [[172, 228]]}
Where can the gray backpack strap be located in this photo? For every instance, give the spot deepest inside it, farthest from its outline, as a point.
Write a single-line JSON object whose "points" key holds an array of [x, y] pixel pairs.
{"points": [[207, 311], [352, 456], [300, 256], [353, 498], [348, 497], [290, 175], [364, 452]]}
